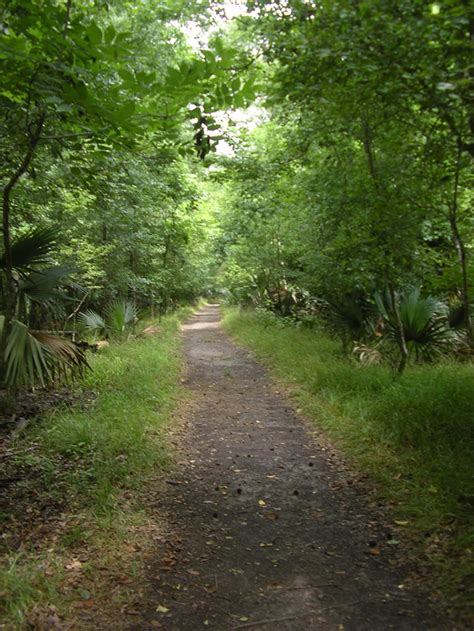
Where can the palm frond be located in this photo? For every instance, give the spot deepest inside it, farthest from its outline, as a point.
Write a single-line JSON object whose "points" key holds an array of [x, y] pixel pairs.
{"points": [[119, 315], [118, 318], [64, 354], [350, 315], [25, 359], [367, 355], [424, 320], [91, 321], [43, 286], [39, 358], [32, 249]]}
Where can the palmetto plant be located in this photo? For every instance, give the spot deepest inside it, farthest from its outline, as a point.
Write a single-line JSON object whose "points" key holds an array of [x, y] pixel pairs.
{"points": [[35, 357], [117, 321], [424, 321], [39, 358], [350, 316], [32, 249]]}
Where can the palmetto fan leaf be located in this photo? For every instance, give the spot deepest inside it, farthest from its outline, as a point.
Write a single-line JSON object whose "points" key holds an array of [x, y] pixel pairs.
{"points": [[424, 320], [26, 361], [62, 351], [32, 249], [38, 358], [119, 315], [43, 286], [350, 315], [92, 321]]}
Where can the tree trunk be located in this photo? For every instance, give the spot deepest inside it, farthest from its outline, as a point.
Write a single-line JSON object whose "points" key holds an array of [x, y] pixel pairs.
{"points": [[369, 152], [152, 305], [165, 292], [461, 251], [402, 344]]}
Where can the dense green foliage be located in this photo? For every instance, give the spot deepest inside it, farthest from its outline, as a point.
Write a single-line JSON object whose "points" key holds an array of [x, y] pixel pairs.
{"points": [[355, 180], [102, 110], [360, 180]]}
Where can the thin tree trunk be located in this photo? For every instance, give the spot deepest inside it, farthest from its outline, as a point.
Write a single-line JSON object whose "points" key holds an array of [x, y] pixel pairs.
{"points": [[10, 286], [460, 250], [368, 148], [67, 18], [165, 294], [73, 315], [369, 152], [402, 344], [152, 305]]}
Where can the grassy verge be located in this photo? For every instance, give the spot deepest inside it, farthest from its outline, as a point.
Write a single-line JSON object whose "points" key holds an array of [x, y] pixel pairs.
{"points": [[75, 522], [414, 435]]}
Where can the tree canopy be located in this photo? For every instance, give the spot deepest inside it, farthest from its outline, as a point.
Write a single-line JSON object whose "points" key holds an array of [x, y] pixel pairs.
{"points": [[349, 176]]}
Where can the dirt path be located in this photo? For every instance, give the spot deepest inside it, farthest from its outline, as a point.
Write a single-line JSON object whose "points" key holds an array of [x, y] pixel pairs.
{"points": [[268, 533]]}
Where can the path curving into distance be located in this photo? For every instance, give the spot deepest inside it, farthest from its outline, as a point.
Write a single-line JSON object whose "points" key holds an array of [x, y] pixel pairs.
{"points": [[266, 530]]}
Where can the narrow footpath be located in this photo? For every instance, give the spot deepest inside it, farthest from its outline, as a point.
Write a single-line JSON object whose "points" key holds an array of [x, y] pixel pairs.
{"points": [[268, 533]]}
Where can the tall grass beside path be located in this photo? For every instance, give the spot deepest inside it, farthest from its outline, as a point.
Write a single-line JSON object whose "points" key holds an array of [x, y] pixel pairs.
{"points": [[83, 473]]}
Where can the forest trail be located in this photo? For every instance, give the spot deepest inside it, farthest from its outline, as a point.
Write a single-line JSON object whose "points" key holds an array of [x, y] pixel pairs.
{"points": [[267, 531]]}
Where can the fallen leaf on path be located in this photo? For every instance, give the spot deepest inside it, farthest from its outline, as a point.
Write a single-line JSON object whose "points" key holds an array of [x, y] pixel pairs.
{"points": [[262, 503], [399, 522], [168, 562], [162, 609], [210, 589]]}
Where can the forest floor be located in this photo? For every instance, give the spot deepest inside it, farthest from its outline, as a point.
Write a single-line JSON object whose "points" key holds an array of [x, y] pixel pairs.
{"points": [[267, 526]]}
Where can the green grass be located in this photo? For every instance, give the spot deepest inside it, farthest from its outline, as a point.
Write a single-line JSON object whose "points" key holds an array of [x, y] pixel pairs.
{"points": [[92, 462], [414, 435]]}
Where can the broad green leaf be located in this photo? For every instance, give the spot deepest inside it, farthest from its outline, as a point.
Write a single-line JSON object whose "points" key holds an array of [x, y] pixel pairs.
{"points": [[94, 34]]}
